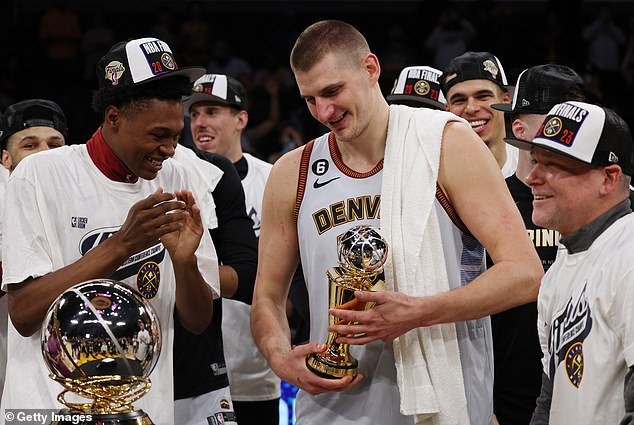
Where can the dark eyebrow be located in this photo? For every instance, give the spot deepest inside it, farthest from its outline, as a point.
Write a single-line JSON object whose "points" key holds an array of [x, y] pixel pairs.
{"points": [[326, 90], [476, 94]]}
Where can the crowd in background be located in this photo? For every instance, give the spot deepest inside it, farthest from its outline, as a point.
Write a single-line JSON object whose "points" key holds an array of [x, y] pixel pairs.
{"points": [[50, 51]]}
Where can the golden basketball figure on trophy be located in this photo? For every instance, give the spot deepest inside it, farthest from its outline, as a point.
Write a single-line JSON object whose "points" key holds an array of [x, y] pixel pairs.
{"points": [[362, 252], [100, 341]]}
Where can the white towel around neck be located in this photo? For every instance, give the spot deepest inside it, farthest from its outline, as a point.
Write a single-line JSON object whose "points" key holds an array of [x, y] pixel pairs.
{"points": [[428, 365]]}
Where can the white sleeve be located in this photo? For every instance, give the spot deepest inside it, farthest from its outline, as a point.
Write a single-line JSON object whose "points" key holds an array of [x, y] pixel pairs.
{"points": [[620, 314], [543, 327], [26, 252]]}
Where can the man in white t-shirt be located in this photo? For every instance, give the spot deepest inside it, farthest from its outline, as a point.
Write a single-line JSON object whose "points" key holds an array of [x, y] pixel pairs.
{"points": [[115, 207], [471, 83], [27, 127], [583, 162], [218, 114]]}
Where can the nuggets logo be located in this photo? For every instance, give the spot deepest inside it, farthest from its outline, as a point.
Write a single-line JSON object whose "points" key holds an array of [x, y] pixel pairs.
{"points": [[168, 61], [421, 87], [491, 68], [114, 71], [100, 302], [552, 127], [574, 364], [148, 280], [198, 88]]}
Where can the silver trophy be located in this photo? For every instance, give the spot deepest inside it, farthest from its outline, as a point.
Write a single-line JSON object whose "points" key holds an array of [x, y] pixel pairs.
{"points": [[100, 340], [362, 253]]}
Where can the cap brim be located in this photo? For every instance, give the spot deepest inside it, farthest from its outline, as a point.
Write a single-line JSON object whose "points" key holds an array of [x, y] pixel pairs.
{"points": [[415, 101], [204, 97], [504, 107], [527, 146]]}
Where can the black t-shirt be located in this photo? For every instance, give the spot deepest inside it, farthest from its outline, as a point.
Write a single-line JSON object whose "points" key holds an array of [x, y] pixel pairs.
{"points": [[516, 350], [199, 363]]}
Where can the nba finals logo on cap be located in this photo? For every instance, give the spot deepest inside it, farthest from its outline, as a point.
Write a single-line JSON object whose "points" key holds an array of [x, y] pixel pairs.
{"points": [[563, 124], [159, 57], [491, 68], [114, 71]]}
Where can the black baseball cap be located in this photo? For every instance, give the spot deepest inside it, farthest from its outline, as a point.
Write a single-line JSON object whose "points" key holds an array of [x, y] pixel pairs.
{"points": [[32, 113], [587, 133], [217, 88], [418, 86], [541, 87], [139, 61], [473, 66]]}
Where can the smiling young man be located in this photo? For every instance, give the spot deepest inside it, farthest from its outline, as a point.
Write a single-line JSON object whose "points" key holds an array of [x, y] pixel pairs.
{"points": [[27, 127], [583, 161], [116, 208], [317, 192], [471, 83]]}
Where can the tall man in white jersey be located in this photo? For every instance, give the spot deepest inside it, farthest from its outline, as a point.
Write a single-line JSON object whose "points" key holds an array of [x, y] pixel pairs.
{"points": [[583, 161], [338, 181], [218, 115], [27, 127], [115, 207]]}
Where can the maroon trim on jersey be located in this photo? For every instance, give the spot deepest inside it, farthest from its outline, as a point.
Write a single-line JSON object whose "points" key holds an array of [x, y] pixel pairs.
{"points": [[107, 161], [451, 212], [336, 157], [303, 175]]}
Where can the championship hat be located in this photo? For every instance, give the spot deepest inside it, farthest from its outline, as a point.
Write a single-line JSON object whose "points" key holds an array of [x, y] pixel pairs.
{"points": [[541, 87], [217, 88], [473, 66], [139, 61], [587, 133], [32, 113], [418, 86]]}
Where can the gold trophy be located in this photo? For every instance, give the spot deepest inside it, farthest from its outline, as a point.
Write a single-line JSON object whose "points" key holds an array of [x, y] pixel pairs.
{"points": [[362, 252], [100, 340]]}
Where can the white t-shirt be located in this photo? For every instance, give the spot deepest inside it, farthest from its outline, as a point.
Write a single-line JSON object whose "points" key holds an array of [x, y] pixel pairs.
{"points": [[4, 310], [250, 377], [586, 327], [512, 157], [61, 207]]}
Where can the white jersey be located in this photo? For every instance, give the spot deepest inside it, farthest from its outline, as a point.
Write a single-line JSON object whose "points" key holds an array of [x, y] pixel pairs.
{"points": [[586, 327], [334, 199], [61, 207], [512, 157], [250, 377]]}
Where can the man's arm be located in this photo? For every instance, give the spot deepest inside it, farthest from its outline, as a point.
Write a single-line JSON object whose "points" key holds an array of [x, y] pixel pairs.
{"points": [[145, 224], [471, 179], [277, 261]]}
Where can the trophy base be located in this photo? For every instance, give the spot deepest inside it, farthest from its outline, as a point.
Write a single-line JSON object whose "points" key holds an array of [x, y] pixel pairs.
{"points": [[68, 417], [327, 368]]}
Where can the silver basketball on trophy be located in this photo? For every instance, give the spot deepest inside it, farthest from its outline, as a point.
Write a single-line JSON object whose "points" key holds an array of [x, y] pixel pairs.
{"points": [[100, 340], [362, 249]]}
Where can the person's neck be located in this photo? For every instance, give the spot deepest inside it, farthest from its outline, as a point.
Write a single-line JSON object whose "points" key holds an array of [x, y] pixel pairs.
{"points": [[498, 149], [366, 150], [235, 151]]}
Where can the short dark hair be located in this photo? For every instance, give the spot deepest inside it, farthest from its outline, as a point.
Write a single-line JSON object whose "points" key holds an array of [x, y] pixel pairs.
{"points": [[136, 98], [324, 37]]}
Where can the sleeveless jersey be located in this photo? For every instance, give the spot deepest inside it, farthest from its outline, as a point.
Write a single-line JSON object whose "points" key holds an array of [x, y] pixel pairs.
{"points": [[332, 198]]}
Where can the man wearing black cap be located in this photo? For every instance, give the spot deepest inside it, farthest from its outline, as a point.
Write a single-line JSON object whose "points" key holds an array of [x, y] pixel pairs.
{"points": [[583, 161], [515, 339], [26, 127], [114, 207], [218, 115], [472, 82]]}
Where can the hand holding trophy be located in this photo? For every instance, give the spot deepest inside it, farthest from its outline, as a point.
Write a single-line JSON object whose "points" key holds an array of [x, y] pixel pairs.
{"points": [[362, 253], [100, 340]]}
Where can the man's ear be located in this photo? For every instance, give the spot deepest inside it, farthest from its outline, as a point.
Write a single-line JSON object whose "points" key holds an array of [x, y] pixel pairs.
{"points": [[612, 178], [112, 117], [372, 66], [519, 129], [243, 119], [6, 159]]}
